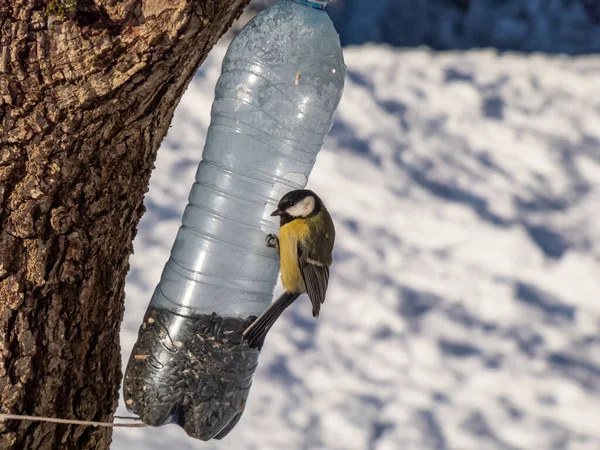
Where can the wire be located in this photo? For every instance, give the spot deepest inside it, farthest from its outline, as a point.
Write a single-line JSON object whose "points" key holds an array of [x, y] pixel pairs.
{"points": [[5, 417]]}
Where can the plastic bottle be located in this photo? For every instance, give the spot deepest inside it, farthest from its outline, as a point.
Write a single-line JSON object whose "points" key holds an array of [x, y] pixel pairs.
{"points": [[282, 79]]}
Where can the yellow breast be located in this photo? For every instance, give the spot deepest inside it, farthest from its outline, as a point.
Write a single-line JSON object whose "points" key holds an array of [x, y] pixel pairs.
{"points": [[289, 235]]}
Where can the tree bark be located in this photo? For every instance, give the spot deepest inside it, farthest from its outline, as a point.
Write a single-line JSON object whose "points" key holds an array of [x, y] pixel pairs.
{"points": [[87, 91]]}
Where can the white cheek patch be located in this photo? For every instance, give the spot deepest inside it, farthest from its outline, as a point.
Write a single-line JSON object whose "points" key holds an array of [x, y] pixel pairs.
{"points": [[303, 208]]}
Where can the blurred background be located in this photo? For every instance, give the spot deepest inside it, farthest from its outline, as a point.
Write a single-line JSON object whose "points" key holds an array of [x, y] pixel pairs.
{"points": [[551, 26], [463, 173]]}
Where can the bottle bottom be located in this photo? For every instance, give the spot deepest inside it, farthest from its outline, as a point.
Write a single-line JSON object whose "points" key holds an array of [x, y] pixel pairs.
{"points": [[192, 371]]}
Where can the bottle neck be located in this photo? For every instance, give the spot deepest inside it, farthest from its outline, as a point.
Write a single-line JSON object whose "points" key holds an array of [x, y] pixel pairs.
{"points": [[317, 4]]}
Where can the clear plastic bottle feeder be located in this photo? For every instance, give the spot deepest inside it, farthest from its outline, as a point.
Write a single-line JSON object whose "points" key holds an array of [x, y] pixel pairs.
{"points": [[281, 82]]}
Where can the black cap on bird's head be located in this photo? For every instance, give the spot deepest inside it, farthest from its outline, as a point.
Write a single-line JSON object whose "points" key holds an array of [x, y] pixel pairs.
{"points": [[298, 203]]}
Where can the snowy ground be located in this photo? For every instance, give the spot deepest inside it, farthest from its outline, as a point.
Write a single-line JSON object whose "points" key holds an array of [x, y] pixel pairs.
{"points": [[464, 304]]}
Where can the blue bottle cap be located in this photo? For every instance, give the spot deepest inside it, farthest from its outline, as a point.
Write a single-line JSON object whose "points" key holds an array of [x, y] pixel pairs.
{"points": [[317, 4]]}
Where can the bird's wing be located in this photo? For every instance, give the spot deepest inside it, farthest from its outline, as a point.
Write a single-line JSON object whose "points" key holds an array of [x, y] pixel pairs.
{"points": [[316, 277]]}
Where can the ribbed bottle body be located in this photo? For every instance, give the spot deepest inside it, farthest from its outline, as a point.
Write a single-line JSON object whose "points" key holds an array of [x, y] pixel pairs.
{"points": [[282, 79]]}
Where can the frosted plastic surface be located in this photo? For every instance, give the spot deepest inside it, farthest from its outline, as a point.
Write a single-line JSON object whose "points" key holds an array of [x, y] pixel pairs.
{"points": [[282, 79]]}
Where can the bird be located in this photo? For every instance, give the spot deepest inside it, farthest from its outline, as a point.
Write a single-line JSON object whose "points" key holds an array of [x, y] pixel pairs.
{"points": [[305, 246]]}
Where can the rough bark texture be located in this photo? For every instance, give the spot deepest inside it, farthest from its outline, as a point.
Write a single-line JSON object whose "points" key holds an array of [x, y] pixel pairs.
{"points": [[87, 92]]}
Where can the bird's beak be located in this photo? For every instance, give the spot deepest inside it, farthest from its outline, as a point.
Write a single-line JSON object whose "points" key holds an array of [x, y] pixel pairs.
{"points": [[276, 213]]}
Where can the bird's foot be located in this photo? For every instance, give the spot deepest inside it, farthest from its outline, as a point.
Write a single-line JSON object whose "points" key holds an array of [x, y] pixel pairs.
{"points": [[272, 241]]}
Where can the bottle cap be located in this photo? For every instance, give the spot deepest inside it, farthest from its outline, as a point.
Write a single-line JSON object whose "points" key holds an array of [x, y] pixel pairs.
{"points": [[317, 4]]}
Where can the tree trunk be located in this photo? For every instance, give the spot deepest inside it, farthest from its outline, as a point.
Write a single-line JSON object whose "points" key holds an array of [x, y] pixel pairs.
{"points": [[87, 91]]}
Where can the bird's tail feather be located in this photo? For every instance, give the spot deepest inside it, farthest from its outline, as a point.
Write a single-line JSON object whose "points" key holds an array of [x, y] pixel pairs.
{"points": [[256, 332]]}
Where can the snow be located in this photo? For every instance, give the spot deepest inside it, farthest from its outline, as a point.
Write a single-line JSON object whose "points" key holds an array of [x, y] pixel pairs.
{"points": [[463, 310]]}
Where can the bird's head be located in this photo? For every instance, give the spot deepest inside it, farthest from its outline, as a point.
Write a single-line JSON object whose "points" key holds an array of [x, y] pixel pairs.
{"points": [[300, 203]]}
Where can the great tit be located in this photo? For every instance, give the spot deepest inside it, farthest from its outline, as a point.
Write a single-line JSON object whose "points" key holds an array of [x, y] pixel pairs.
{"points": [[305, 245]]}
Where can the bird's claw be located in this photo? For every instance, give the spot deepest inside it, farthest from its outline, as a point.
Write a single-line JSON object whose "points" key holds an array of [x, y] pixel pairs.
{"points": [[272, 241]]}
